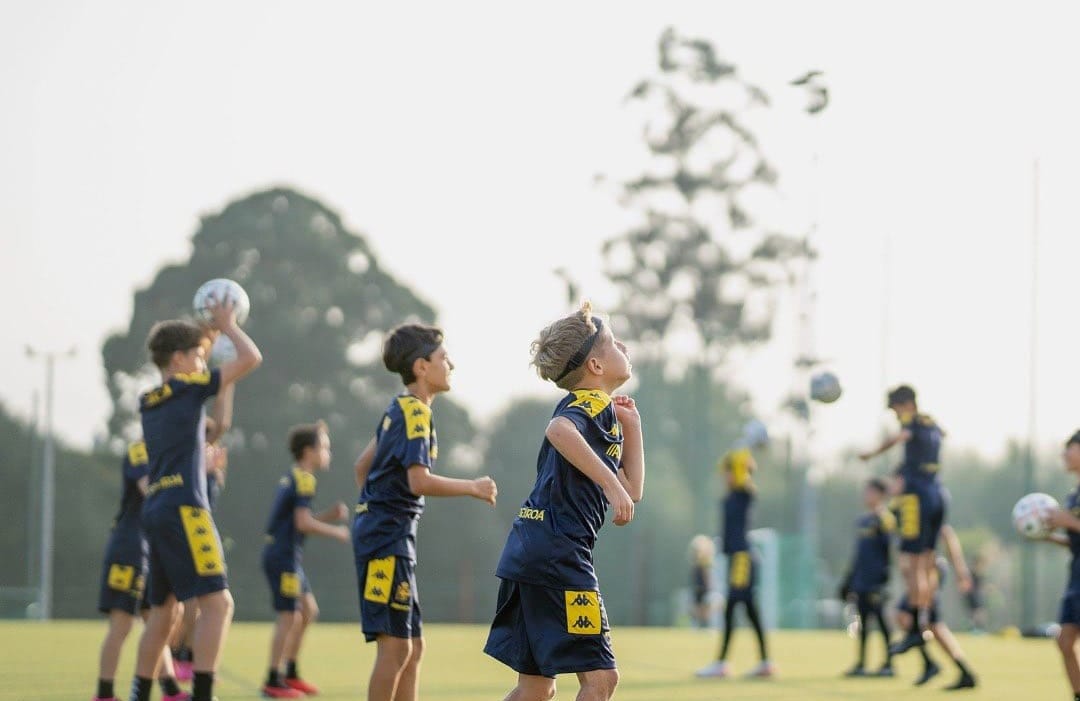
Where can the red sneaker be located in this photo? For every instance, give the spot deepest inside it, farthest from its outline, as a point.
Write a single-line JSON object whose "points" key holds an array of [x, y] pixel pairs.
{"points": [[300, 685], [281, 692], [184, 670]]}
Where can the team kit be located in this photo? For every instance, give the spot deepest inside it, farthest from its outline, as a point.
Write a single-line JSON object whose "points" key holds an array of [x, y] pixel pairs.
{"points": [[164, 560]]}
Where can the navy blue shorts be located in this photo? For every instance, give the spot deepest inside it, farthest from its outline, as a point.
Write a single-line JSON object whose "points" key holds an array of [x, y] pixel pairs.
{"points": [[741, 575], [389, 604], [867, 601], [1070, 609], [123, 578], [288, 584], [907, 608], [544, 632], [186, 558], [922, 513]]}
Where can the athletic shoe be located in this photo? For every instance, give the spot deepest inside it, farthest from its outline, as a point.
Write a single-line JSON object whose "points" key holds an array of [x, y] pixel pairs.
{"points": [[966, 681], [885, 671], [856, 671], [931, 671], [281, 692], [185, 671], [182, 696], [764, 670], [906, 643], [718, 670], [307, 688]]}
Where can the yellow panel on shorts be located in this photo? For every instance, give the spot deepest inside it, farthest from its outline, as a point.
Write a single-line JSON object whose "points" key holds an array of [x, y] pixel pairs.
{"points": [[380, 577], [121, 577], [582, 612], [909, 516], [199, 528], [739, 570], [290, 585]]}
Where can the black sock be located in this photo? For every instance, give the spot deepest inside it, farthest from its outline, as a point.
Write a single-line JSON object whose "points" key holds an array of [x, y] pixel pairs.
{"points": [[273, 678], [104, 688], [862, 640], [168, 686], [729, 624], [182, 654], [963, 668], [755, 620], [202, 686], [141, 688], [927, 662], [290, 670]]}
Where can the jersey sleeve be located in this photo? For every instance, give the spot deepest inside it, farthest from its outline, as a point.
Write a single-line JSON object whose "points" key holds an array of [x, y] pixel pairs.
{"points": [[136, 462], [418, 437], [303, 488], [201, 385], [886, 521]]}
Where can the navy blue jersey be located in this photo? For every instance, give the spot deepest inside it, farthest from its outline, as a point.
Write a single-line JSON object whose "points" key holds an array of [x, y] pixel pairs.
{"points": [[738, 501], [135, 466], [922, 451], [870, 568], [387, 511], [174, 429], [551, 541], [295, 491], [1072, 505]]}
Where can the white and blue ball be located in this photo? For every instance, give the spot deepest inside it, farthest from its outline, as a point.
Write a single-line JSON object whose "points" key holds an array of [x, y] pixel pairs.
{"points": [[1030, 513], [825, 387], [220, 290]]}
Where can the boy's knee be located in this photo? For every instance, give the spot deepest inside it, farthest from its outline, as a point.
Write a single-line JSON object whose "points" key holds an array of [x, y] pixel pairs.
{"points": [[396, 651], [417, 651], [1066, 641], [602, 684], [219, 604], [310, 611]]}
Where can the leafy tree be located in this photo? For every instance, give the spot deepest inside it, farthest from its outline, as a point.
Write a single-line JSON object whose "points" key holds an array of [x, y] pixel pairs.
{"points": [[321, 305]]}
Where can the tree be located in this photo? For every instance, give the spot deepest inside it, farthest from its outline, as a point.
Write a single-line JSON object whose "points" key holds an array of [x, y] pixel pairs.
{"points": [[321, 305]]}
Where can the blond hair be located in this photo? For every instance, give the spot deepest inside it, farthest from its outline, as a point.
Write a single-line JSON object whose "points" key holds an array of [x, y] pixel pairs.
{"points": [[557, 344], [702, 549]]}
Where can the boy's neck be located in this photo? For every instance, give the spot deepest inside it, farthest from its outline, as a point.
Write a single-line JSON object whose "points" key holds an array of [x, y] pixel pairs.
{"points": [[421, 391], [304, 467], [593, 387]]}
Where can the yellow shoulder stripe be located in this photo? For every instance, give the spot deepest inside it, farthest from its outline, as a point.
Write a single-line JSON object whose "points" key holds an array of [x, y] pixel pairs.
{"points": [[194, 378], [305, 482], [888, 520], [593, 401], [137, 453], [417, 417]]}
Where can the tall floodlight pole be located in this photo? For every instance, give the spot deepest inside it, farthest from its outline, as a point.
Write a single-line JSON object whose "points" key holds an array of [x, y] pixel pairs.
{"points": [[48, 484], [1027, 577]]}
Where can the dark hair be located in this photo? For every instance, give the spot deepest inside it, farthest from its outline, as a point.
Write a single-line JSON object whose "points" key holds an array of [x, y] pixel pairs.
{"points": [[878, 485], [900, 395], [406, 343], [1074, 438], [305, 436], [168, 337]]}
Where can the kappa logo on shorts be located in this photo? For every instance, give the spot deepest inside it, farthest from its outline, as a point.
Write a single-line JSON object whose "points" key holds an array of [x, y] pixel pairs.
{"points": [[583, 612], [380, 573]]}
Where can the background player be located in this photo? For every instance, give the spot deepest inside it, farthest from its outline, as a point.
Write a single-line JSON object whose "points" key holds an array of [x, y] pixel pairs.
{"points": [[1069, 519], [702, 554], [290, 520], [737, 467], [186, 559], [868, 577], [921, 506], [395, 473], [123, 579], [550, 616]]}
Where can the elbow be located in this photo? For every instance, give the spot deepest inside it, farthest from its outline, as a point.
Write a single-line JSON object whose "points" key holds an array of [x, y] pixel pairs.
{"points": [[417, 485], [636, 497]]}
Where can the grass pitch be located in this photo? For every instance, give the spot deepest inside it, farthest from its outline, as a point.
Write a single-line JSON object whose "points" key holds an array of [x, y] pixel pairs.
{"points": [[58, 662]]}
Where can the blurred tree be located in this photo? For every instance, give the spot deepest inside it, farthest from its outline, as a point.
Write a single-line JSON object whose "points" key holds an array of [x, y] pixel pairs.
{"points": [[321, 305]]}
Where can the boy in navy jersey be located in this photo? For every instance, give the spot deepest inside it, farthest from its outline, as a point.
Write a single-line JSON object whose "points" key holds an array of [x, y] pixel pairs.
{"points": [[395, 472], [922, 506], [290, 520], [186, 560], [865, 582], [550, 617], [123, 579], [1069, 519], [737, 467]]}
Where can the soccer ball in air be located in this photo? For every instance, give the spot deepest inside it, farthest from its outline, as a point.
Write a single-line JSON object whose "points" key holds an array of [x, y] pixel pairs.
{"points": [[825, 387], [1029, 514], [755, 434], [222, 289]]}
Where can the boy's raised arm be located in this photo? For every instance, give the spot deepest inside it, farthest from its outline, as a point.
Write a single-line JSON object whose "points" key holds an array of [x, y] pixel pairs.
{"points": [[566, 439]]}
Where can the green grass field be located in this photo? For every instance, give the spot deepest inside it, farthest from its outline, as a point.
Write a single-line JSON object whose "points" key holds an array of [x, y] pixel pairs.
{"points": [[57, 662]]}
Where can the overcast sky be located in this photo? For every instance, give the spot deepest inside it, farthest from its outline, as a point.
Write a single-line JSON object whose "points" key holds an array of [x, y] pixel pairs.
{"points": [[474, 132]]}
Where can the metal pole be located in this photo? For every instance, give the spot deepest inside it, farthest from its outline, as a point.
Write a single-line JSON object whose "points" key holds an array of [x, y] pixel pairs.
{"points": [[1028, 576], [31, 497], [48, 486]]}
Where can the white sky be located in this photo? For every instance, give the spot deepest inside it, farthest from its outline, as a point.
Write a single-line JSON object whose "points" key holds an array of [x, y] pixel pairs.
{"points": [[442, 130]]}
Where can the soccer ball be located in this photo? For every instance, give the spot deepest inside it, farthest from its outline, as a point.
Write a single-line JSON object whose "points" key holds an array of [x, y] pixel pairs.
{"points": [[223, 351], [222, 289], [1029, 514], [825, 387], [754, 433]]}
